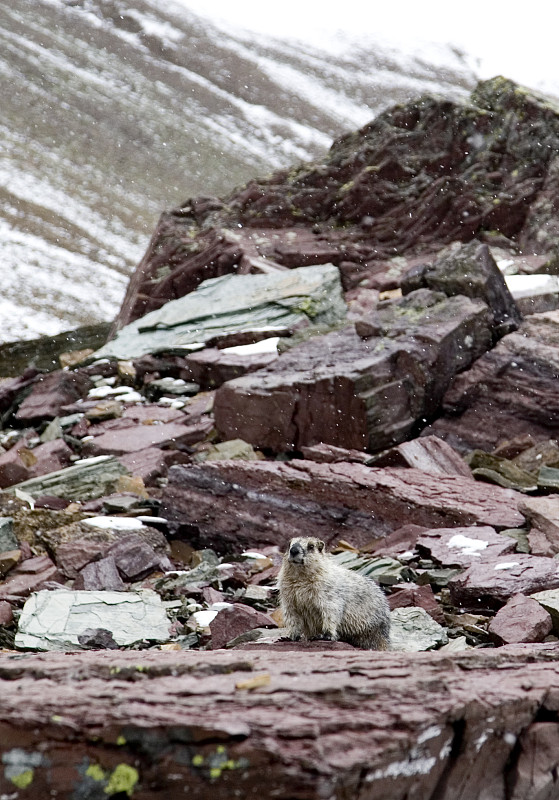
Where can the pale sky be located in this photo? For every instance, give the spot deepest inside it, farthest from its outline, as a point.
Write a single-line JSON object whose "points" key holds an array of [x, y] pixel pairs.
{"points": [[518, 40]]}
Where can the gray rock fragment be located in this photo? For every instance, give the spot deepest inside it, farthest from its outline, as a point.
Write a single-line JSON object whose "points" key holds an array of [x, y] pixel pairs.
{"points": [[53, 620], [413, 630]]}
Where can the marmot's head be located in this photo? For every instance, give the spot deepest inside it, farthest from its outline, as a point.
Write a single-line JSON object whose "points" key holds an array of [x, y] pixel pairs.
{"points": [[302, 549]]}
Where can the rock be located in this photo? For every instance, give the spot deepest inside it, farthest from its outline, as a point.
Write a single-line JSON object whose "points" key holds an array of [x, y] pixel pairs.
{"points": [[400, 541], [142, 437], [522, 619], [8, 540], [301, 704], [232, 449], [408, 594], [6, 613], [13, 466], [328, 454], [429, 454], [88, 479], [72, 556], [232, 622], [212, 367], [491, 582], [461, 547], [8, 560], [134, 558], [149, 464], [50, 457], [361, 393], [54, 620], [100, 576], [511, 388], [549, 600], [543, 515], [249, 504], [534, 293], [97, 639], [170, 387], [106, 409], [501, 471], [28, 577], [470, 270], [231, 303], [50, 393], [412, 629]]}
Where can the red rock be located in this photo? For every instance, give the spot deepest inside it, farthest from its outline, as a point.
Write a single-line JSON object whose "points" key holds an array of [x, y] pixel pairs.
{"points": [[52, 502], [101, 576], [509, 391], [51, 392], [522, 619], [355, 391], [236, 504], [29, 576], [408, 594], [6, 613], [72, 556], [50, 457], [492, 583], [13, 467], [151, 463], [328, 454], [8, 560], [210, 595], [141, 437], [429, 454], [461, 547], [536, 766], [134, 558], [212, 367], [543, 515], [151, 413], [231, 622], [402, 540]]}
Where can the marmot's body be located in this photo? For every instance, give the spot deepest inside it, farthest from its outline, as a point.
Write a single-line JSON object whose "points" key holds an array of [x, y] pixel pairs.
{"points": [[322, 600]]}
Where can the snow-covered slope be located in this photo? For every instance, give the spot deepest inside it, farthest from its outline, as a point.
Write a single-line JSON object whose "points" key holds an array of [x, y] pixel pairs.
{"points": [[113, 110]]}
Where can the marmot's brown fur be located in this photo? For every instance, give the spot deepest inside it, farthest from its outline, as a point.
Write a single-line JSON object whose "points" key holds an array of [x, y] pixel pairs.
{"points": [[322, 600]]}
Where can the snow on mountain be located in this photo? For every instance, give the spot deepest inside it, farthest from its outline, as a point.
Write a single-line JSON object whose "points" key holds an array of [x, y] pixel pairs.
{"points": [[113, 110]]}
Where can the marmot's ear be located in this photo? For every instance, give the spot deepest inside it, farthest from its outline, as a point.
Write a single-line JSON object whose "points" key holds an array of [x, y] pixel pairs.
{"points": [[320, 545]]}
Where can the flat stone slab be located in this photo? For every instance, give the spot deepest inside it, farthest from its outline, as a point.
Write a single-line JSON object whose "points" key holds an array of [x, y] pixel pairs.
{"points": [[313, 722], [461, 547], [85, 480], [53, 620], [285, 299], [412, 629], [255, 503], [493, 582], [141, 437]]}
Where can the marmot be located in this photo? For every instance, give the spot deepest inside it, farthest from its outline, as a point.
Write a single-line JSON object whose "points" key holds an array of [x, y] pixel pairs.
{"points": [[322, 600]]}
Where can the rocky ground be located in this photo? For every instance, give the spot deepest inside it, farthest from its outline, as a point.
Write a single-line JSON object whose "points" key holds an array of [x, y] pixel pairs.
{"points": [[364, 349]]}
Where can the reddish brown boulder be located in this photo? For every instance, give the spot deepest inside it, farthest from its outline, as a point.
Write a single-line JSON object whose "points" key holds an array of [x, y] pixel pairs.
{"points": [[135, 558], [511, 390], [51, 392], [522, 619], [231, 622], [461, 547], [14, 464], [491, 583], [232, 504], [49, 457], [364, 391], [543, 515], [72, 556]]}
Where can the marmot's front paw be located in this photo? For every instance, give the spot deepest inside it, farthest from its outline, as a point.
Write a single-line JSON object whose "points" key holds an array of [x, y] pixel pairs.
{"points": [[324, 637]]}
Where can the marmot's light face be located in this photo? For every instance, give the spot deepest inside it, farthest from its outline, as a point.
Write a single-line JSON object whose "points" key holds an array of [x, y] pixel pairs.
{"points": [[301, 548]]}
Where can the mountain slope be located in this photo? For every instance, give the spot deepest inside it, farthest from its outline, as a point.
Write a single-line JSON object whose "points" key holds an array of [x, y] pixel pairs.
{"points": [[114, 110]]}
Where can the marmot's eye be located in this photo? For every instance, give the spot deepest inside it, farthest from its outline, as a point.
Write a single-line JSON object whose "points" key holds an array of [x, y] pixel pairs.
{"points": [[310, 547]]}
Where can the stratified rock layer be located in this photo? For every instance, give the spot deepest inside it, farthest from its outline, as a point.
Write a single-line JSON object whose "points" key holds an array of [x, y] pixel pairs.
{"points": [[298, 724]]}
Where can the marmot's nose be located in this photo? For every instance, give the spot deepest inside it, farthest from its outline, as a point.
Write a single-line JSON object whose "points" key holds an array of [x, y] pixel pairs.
{"points": [[295, 550]]}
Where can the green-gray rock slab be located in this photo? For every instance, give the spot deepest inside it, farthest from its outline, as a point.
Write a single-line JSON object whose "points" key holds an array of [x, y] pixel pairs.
{"points": [[85, 480], [413, 630], [288, 299], [8, 539], [53, 620]]}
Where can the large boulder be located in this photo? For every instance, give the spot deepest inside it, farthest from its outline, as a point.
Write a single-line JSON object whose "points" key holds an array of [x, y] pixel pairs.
{"points": [[362, 388]]}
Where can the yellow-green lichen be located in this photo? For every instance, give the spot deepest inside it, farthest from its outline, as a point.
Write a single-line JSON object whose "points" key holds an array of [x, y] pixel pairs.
{"points": [[95, 772], [23, 780], [121, 740], [197, 760], [123, 779]]}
